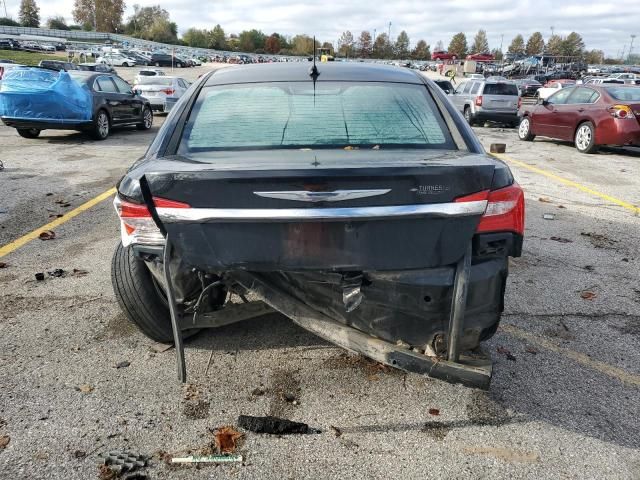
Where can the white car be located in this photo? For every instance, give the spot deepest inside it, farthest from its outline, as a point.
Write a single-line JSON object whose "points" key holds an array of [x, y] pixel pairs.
{"points": [[552, 87], [149, 72], [475, 76], [116, 59], [161, 90], [48, 48], [196, 62]]}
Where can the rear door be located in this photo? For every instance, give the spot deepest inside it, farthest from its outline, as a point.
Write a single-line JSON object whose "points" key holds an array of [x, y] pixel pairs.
{"points": [[131, 104], [112, 97], [500, 97]]}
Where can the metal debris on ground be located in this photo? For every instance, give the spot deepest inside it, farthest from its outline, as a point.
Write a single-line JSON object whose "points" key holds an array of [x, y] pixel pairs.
{"points": [[39, 276], [226, 439], [273, 425], [123, 364], [549, 216], [47, 235], [208, 459], [57, 273], [124, 461], [337, 432]]}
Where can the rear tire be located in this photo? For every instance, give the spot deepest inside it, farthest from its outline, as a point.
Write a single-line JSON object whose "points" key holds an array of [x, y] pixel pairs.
{"points": [[468, 116], [101, 126], [524, 130], [28, 132], [585, 138], [147, 119], [139, 297]]}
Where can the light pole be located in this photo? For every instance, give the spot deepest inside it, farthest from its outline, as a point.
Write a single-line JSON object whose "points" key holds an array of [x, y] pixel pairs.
{"points": [[4, 2], [389, 34], [552, 30], [633, 37]]}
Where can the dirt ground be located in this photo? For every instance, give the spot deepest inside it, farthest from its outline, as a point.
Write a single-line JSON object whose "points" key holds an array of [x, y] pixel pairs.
{"points": [[77, 380]]}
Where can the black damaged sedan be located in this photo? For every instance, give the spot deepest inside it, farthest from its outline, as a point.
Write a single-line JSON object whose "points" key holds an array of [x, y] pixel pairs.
{"points": [[353, 198]]}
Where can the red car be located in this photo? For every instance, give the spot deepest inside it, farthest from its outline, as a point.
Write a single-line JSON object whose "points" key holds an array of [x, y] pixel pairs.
{"points": [[481, 57], [588, 115], [442, 55]]}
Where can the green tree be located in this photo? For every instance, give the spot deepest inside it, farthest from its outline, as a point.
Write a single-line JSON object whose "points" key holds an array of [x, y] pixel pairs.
{"points": [[163, 30], [217, 39], [140, 23], [104, 15], [346, 44], [329, 46], [497, 54], [594, 57], [480, 42], [29, 13], [517, 45], [421, 51], [8, 22], [535, 44], [382, 47], [195, 37], [57, 23], [251, 40], [272, 43], [402, 45], [303, 45], [573, 45], [555, 45], [458, 45], [364, 44], [439, 46]]}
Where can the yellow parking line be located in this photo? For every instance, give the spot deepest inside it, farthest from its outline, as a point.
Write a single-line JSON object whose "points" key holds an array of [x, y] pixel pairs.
{"points": [[571, 183], [615, 372], [10, 247]]}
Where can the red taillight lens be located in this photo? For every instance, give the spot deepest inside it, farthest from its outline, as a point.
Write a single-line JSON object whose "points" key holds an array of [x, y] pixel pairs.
{"points": [[479, 100], [621, 111], [519, 102], [137, 226], [168, 91], [504, 212]]}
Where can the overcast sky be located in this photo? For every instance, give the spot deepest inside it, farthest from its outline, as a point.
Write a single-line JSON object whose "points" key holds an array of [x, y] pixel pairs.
{"points": [[604, 24]]}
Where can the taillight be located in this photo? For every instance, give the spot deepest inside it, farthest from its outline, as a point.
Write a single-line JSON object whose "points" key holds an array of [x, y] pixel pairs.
{"points": [[621, 111], [168, 91], [479, 100], [504, 212], [519, 102], [136, 223]]}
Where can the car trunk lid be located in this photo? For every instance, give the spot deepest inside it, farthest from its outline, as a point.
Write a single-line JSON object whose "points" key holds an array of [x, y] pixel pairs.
{"points": [[324, 210]]}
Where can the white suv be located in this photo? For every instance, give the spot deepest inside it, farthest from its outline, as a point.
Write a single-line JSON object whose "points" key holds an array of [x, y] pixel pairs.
{"points": [[116, 59]]}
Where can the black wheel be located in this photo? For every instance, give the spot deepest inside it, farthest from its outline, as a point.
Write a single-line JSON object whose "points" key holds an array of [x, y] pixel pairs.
{"points": [[139, 295], [101, 126], [125, 64], [585, 138], [524, 130], [28, 132], [147, 119], [179, 65], [468, 116]]}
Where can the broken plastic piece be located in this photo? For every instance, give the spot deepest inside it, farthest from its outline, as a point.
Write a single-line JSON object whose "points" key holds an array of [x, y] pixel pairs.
{"points": [[351, 295], [274, 425], [208, 459]]}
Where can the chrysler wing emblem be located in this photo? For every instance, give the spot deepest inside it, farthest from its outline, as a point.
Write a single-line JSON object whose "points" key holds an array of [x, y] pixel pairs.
{"points": [[335, 196]]}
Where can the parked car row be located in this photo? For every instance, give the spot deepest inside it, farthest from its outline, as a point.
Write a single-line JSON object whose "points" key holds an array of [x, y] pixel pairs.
{"points": [[50, 47]]}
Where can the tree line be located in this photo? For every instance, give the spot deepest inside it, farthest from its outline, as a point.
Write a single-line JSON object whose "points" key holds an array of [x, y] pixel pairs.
{"points": [[154, 23]]}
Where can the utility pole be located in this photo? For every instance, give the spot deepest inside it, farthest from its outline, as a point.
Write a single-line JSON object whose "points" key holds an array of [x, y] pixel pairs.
{"points": [[501, 52], [389, 34], [624, 49], [552, 30], [4, 2], [633, 37]]}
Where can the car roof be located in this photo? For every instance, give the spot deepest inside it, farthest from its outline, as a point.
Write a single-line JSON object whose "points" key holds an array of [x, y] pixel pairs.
{"points": [[299, 72]]}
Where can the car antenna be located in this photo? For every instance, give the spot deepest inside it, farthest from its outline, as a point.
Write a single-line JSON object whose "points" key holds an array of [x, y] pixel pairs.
{"points": [[313, 71]]}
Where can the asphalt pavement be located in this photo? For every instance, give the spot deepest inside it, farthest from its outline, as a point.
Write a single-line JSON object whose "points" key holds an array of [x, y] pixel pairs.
{"points": [[564, 401]]}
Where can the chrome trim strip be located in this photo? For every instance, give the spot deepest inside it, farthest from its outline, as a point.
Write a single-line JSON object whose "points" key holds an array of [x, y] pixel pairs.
{"points": [[433, 210], [334, 196]]}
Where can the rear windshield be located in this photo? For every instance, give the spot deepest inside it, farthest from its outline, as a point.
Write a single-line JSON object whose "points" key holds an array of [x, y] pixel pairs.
{"points": [[155, 80], [628, 94], [500, 89], [146, 73], [333, 115]]}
